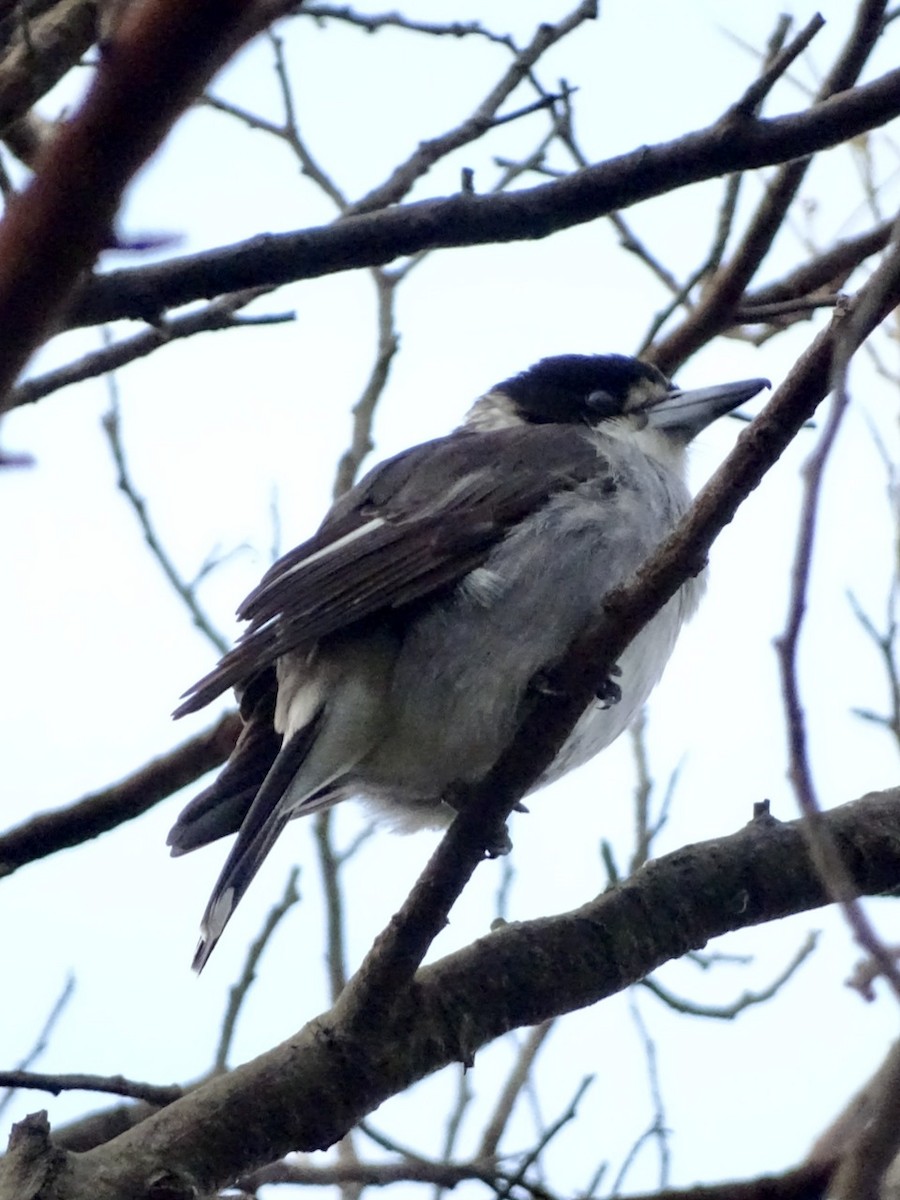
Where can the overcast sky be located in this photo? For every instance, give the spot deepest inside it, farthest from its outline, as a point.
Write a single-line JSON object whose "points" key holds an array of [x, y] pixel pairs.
{"points": [[98, 648]]}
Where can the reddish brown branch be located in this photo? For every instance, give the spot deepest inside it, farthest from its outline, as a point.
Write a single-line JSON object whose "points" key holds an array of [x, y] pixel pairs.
{"points": [[162, 55]]}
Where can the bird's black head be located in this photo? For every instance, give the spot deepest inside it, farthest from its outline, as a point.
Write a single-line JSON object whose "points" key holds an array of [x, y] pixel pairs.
{"points": [[582, 387], [594, 388]]}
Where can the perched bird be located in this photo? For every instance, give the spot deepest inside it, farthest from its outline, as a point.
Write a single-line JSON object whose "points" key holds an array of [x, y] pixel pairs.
{"points": [[391, 656]]}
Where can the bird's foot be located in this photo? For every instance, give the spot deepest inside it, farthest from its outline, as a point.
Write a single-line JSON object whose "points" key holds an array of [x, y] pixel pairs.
{"points": [[499, 843], [609, 692]]}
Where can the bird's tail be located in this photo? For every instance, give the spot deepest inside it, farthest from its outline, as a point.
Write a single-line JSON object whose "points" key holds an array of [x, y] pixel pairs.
{"points": [[267, 816]]}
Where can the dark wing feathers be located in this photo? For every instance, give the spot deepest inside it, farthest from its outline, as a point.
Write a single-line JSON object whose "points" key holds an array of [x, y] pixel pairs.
{"points": [[222, 807], [415, 523]]}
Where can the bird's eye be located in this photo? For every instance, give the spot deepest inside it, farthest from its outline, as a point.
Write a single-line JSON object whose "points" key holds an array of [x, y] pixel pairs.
{"points": [[603, 404]]}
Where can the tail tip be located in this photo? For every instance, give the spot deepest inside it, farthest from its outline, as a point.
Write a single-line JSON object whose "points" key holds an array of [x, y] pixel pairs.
{"points": [[214, 921]]}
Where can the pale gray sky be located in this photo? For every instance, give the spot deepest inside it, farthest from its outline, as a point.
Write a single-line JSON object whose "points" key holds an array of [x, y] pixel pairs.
{"points": [[97, 648]]}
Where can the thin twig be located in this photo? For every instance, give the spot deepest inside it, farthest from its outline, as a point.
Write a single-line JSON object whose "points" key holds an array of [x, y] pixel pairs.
{"points": [[239, 990], [716, 309], [112, 427], [832, 868], [374, 22], [547, 1137], [218, 315], [657, 1130], [114, 1085], [335, 941], [727, 1012], [432, 150], [364, 409], [496, 1123], [43, 1037], [464, 1097]]}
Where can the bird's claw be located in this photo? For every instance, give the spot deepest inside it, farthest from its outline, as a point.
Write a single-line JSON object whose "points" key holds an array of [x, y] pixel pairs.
{"points": [[609, 692], [499, 844]]}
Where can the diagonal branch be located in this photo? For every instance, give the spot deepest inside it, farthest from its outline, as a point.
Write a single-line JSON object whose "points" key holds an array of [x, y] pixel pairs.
{"points": [[400, 949], [481, 120], [715, 311], [220, 314]]}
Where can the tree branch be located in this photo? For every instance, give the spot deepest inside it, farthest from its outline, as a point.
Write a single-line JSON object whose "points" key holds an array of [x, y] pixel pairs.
{"points": [[374, 239], [49, 832], [715, 311], [308, 1092], [160, 57], [32, 66], [220, 314]]}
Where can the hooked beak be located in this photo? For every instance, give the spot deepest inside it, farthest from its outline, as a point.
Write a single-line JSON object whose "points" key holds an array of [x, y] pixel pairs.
{"points": [[689, 412]]}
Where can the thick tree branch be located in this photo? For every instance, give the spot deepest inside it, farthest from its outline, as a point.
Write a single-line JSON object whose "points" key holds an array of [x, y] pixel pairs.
{"points": [[374, 239], [309, 1091]]}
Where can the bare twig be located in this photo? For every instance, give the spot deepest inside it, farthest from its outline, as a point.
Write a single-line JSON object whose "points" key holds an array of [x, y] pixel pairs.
{"points": [[184, 589], [365, 406], [657, 1130], [464, 1097], [646, 827], [506, 1101], [429, 152], [774, 65], [720, 300], [114, 1085], [885, 643], [220, 314], [335, 943], [727, 1012], [43, 1037], [758, 90], [239, 990], [821, 273], [833, 870], [546, 1138], [374, 22]]}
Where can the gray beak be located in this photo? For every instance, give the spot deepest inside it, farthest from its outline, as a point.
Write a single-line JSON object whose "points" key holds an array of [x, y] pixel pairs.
{"points": [[689, 412]]}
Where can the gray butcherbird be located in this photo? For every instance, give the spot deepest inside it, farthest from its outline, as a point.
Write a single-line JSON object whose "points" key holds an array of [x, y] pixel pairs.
{"points": [[392, 654]]}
